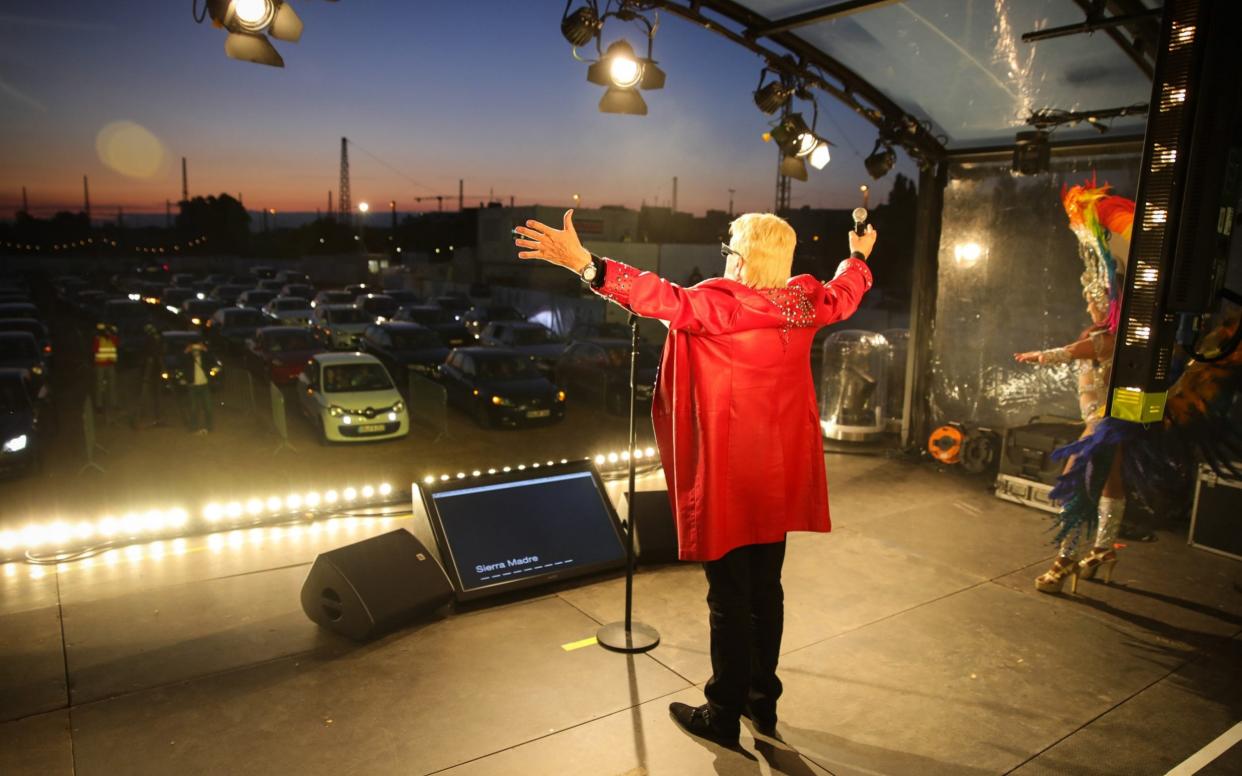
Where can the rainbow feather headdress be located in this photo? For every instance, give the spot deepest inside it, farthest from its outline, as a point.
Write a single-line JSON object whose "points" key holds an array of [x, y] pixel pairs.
{"points": [[1095, 214]]}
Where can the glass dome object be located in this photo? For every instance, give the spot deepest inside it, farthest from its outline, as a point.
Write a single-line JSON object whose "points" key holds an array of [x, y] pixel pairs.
{"points": [[852, 387]]}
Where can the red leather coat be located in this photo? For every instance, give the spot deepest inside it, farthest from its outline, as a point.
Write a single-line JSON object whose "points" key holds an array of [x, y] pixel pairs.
{"points": [[734, 407]]}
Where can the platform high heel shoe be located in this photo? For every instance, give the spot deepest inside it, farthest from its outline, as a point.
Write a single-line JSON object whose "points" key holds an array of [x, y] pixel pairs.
{"points": [[1101, 559], [1053, 580]]}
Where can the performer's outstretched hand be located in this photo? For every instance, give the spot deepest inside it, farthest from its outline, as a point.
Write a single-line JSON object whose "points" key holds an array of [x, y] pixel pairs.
{"points": [[558, 246], [1029, 357], [863, 243]]}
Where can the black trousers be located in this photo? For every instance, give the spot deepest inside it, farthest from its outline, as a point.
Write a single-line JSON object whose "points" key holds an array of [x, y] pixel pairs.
{"points": [[747, 615]]}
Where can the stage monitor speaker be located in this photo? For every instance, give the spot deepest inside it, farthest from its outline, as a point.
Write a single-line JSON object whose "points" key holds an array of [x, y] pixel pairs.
{"points": [[655, 534], [369, 588], [517, 529]]}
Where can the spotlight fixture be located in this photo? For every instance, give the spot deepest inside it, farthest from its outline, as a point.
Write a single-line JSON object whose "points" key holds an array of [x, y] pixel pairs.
{"points": [[624, 73], [773, 95], [793, 167], [881, 160], [820, 156], [250, 22], [793, 136], [1031, 152], [618, 69], [581, 25]]}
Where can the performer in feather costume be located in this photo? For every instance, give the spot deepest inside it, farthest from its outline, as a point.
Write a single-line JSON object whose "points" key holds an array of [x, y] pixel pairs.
{"points": [[1102, 222], [1114, 456]]}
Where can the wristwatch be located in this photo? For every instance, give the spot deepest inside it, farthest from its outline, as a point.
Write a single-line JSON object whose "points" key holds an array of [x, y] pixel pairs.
{"points": [[593, 273]]}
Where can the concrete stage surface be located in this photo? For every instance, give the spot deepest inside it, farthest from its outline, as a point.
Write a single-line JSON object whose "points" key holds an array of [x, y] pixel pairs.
{"points": [[914, 643]]}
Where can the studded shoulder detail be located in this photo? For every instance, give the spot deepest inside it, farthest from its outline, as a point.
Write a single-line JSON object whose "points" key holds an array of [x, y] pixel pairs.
{"points": [[795, 305]]}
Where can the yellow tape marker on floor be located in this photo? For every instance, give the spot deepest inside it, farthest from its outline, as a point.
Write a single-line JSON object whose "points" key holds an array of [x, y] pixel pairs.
{"points": [[571, 646]]}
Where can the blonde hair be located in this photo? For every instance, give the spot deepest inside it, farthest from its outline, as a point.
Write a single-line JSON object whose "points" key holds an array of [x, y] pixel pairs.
{"points": [[766, 244]]}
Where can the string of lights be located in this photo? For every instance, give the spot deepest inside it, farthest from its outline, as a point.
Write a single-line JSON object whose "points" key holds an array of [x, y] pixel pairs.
{"points": [[60, 540], [102, 242]]}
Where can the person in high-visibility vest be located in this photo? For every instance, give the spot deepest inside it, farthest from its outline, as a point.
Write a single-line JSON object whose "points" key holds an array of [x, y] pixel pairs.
{"points": [[104, 348]]}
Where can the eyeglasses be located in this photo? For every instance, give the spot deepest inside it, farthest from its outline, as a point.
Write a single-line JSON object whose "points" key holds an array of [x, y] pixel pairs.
{"points": [[726, 252]]}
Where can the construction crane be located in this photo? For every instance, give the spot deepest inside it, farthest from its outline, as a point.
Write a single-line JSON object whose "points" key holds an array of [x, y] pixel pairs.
{"points": [[461, 197]]}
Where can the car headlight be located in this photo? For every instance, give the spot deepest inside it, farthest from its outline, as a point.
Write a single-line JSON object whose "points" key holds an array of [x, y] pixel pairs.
{"points": [[336, 411], [347, 420], [36, 369], [501, 401], [164, 375], [392, 417], [16, 444], [215, 370], [398, 407], [196, 321], [560, 396]]}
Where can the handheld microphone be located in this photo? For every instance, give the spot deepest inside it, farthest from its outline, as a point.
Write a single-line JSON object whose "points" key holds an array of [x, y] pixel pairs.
{"points": [[860, 218]]}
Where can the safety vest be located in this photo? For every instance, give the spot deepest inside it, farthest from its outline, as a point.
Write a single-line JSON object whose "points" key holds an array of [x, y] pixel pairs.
{"points": [[105, 350]]}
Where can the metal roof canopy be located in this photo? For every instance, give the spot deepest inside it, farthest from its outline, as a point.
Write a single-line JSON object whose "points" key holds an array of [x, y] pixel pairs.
{"points": [[948, 77]]}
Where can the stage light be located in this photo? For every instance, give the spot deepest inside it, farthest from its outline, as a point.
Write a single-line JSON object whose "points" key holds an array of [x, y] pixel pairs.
{"points": [[1031, 153], [429, 480], [178, 518], [880, 161], [312, 499], [368, 491], [772, 96], [624, 73], [249, 22], [581, 25], [254, 506], [330, 497], [967, 254], [234, 509], [793, 136], [623, 69], [650, 451], [253, 15], [274, 503], [213, 512], [820, 156], [293, 501], [793, 167], [350, 494]]}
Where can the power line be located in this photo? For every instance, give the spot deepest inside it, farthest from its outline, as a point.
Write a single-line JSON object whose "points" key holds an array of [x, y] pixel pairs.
{"points": [[391, 168]]}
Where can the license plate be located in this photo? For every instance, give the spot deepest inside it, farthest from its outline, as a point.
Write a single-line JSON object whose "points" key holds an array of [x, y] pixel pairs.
{"points": [[371, 428], [538, 413]]}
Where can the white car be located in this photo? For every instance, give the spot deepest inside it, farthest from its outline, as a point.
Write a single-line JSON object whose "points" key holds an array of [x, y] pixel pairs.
{"points": [[350, 397], [289, 311], [341, 325]]}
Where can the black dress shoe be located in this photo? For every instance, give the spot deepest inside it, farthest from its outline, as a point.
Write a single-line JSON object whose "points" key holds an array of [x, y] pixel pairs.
{"points": [[698, 721], [763, 723]]}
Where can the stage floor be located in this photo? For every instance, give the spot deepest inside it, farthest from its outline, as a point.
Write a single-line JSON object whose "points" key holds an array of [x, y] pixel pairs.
{"points": [[914, 643]]}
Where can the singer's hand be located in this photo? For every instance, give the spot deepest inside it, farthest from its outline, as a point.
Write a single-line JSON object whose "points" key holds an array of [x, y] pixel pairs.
{"points": [[558, 246], [863, 243]]}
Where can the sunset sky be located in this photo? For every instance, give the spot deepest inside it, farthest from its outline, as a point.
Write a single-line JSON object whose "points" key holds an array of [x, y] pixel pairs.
{"points": [[485, 90]]}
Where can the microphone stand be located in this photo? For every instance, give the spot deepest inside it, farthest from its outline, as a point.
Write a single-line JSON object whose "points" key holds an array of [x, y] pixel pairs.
{"points": [[629, 636]]}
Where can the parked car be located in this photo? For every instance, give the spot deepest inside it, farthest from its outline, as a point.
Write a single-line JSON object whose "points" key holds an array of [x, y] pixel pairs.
{"points": [[228, 292], [175, 296], [128, 317], [280, 353], [256, 298], [195, 312], [289, 311], [292, 276], [442, 322], [218, 278], [269, 284], [332, 297], [350, 397], [533, 340], [176, 369], [181, 280], [477, 317], [230, 327], [599, 370], [262, 272], [380, 307], [303, 290], [20, 350], [403, 346], [21, 413], [402, 296], [357, 289], [599, 330], [20, 310], [36, 328], [500, 387], [340, 326], [203, 287], [457, 304]]}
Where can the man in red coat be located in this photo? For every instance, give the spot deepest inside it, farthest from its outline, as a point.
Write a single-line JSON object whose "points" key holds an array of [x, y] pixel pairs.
{"points": [[738, 431]]}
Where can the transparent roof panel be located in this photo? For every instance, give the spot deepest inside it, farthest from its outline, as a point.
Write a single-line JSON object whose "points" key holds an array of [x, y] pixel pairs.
{"points": [[962, 64]]}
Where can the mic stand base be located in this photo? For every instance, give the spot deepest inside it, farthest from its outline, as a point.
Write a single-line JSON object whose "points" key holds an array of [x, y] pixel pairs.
{"points": [[639, 638]]}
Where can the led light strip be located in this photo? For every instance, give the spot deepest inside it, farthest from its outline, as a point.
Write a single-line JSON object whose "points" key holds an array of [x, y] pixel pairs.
{"points": [[63, 537]]}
